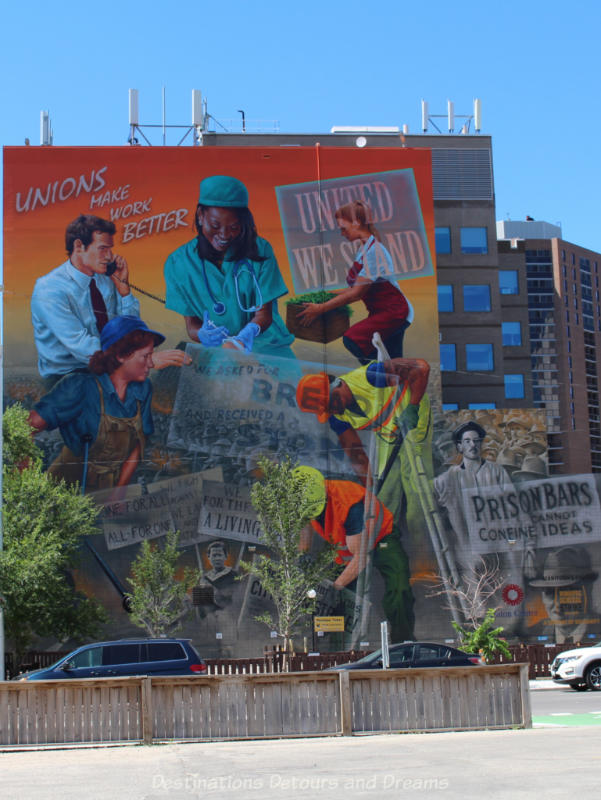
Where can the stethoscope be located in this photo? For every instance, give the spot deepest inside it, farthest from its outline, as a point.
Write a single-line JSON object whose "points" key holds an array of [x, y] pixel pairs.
{"points": [[219, 307]]}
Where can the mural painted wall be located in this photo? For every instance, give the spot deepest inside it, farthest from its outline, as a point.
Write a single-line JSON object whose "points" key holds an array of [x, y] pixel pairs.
{"points": [[173, 314]]}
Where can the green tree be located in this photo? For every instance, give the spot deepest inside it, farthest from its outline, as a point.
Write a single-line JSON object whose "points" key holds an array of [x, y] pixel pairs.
{"points": [[158, 598], [44, 522], [484, 638], [280, 500]]}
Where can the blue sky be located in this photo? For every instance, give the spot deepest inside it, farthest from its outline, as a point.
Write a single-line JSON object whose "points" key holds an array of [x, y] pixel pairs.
{"points": [[312, 65]]}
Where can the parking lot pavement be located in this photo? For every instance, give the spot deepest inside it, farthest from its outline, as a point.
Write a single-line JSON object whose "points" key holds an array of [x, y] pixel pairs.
{"points": [[506, 765]]}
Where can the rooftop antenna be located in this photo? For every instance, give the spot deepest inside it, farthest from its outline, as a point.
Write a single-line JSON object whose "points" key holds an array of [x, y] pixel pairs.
{"points": [[450, 116], [478, 115], [199, 118], [46, 133], [134, 118]]}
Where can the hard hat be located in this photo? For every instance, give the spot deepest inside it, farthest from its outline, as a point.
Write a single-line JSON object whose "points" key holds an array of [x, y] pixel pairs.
{"points": [[315, 491], [223, 191], [313, 395]]}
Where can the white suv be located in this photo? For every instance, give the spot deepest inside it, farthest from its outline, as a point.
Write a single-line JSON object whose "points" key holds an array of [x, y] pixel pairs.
{"points": [[580, 669]]}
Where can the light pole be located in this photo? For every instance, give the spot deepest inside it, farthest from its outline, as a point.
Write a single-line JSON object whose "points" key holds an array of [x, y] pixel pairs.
{"points": [[312, 594]]}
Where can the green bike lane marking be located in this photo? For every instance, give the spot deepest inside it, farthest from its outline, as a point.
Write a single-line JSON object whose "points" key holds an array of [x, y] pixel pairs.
{"points": [[567, 720]]}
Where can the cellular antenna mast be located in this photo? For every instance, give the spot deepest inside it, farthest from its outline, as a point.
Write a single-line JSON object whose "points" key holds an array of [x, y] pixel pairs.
{"points": [[450, 116], [201, 124], [198, 124]]}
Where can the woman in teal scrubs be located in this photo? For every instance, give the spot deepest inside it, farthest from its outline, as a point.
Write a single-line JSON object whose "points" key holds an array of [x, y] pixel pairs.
{"points": [[226, 281]]}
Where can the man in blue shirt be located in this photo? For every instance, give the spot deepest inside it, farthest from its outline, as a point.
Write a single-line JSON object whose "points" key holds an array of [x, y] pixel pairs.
{"points": [[71, 304]]}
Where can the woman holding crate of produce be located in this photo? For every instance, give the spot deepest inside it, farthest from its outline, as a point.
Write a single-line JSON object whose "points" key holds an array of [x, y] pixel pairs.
{"points": [[368, 279]]}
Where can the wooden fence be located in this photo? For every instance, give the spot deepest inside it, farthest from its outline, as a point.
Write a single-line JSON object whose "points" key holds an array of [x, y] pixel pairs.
{"points": [[538, 658], [144, 709]]}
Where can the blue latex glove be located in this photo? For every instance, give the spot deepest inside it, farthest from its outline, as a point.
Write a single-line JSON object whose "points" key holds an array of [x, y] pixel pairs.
{"points": [[244, 340], [211, 335]]}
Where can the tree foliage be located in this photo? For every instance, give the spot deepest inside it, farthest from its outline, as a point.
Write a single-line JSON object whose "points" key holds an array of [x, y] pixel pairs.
{"points": [[279, 500], [484, 638], [44, 522], [159, 588]]}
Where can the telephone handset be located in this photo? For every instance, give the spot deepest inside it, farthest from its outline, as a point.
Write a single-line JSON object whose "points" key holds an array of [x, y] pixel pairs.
{"points": [[110, 268]]}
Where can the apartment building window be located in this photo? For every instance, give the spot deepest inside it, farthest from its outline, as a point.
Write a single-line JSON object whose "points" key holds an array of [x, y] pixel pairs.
{"points": [[479, 357], [508, 281], [514, 386], [442, 240], [512, 334], [473, 240], [445, 297], [450, 406], [448, 358], [481, 405], [476, 298]]}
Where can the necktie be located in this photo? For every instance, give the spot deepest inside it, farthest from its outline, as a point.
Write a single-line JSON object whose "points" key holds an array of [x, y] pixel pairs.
{"points": [[98, 306]]}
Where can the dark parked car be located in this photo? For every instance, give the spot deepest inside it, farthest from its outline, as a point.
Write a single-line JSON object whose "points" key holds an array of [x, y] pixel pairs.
{"points": [[416, 654], [124, 657]]}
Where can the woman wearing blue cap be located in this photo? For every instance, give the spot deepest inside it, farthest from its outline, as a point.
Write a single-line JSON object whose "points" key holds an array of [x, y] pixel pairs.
{"points": [[104, 415], [226, 281]]}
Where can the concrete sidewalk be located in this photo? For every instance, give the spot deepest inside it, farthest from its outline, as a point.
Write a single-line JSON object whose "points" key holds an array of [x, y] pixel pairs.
{"points": [[506, 765], [544, 683]]}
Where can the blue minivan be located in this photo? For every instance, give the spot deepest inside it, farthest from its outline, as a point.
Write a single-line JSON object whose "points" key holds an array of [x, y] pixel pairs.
{"points": [[124, 657]]}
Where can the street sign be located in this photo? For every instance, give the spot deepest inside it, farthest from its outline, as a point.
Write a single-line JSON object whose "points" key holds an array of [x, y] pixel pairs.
{"points": [[329, 624]]}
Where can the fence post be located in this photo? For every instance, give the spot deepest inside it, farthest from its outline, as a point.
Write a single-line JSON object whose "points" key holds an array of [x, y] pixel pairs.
{"points": [[146, 710], [525, 696], [346, 720]]}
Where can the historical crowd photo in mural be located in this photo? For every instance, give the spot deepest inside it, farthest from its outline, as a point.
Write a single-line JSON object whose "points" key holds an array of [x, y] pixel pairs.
{"points": [[173, 316]]}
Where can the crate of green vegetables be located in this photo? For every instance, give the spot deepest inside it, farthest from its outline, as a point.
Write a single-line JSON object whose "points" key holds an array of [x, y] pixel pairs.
{"points": [[326, 328]]}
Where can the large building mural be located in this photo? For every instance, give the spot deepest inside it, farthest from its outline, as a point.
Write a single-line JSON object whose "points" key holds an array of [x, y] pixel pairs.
{"points": [[174, 314]]}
